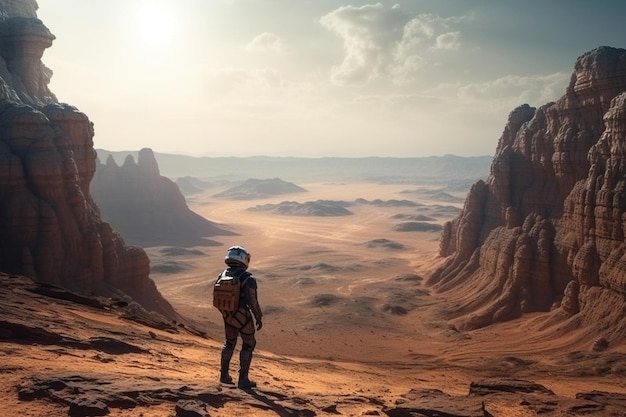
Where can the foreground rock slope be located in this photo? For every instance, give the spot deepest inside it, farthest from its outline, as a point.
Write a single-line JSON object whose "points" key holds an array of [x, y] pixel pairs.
{"points": [[51, 228], [67, 354], [546, 231]]}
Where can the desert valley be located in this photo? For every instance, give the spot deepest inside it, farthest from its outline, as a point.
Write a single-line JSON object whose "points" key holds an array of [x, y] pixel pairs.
{"points": [[351, 328], [440, 286]]}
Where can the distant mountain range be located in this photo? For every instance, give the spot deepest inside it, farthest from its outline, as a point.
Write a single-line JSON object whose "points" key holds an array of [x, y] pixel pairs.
{"points": [[449, 169]]}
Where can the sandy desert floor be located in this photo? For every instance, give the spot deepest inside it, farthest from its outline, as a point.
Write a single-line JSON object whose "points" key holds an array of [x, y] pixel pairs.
{"points": [[326, 290], [328, 295], [349, 329]]}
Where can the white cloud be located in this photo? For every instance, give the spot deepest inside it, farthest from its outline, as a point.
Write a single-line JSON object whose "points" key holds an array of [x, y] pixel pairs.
{"points": [[267, 42], [515, 90], [450, 40], [382, 42], [369, 35]]}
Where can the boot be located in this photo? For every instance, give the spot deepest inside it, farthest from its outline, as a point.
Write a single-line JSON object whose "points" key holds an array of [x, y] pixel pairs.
{"points": [[245, 383], [227, 354], [245, 358], [225, 378]]}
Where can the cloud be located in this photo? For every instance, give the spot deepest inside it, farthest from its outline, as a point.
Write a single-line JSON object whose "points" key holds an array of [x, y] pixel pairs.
{"points": [[382, 42], [369, 35], [515, 89], [450, 40], [267, 42]]}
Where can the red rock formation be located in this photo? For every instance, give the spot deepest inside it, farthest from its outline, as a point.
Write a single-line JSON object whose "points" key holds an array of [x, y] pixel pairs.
{"points": [[50, 227], [145, 207], [547, 229]]}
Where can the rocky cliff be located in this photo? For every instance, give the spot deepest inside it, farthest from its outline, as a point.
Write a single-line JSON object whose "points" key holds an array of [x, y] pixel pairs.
{"points": [[547, 229], [50, 228], [147, 208]]}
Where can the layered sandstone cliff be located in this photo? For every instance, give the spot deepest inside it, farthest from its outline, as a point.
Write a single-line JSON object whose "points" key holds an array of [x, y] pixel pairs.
{"points": [[50, 228], [147, 208], [547, 230]]}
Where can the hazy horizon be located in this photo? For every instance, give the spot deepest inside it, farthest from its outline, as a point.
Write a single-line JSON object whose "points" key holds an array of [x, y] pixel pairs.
{"points": [[316, 79], [134, 152]]}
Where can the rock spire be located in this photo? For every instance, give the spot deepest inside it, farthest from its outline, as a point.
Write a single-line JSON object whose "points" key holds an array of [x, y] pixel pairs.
{"points": [[147, 208]]}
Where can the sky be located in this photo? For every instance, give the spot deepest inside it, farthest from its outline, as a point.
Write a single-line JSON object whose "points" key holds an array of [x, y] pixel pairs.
{"points": [[316, 78]]}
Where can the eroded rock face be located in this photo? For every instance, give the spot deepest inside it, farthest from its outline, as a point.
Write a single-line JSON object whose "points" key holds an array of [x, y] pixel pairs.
{"points": [[147, 208], [547, 228], [23, 39], [51, 229], [19, 8]]}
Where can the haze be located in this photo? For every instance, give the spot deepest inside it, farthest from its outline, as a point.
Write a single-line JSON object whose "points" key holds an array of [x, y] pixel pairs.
{"points": [[321, 78]]}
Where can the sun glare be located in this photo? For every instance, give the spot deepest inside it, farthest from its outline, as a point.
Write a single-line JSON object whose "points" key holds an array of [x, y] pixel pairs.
{"points": [[156, 24]]}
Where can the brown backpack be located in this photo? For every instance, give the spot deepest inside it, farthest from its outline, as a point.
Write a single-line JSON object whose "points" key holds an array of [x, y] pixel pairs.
{"points": [[227, 291]]}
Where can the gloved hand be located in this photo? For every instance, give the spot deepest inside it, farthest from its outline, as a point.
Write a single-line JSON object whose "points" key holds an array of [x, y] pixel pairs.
{"points": [[259, 324]]}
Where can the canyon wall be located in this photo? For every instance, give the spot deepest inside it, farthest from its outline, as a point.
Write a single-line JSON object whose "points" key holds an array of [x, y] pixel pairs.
{"points": [[546, 231], [50, 227]]}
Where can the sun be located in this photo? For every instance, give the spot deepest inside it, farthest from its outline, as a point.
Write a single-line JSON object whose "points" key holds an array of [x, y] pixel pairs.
{"points": [[156, 23]]}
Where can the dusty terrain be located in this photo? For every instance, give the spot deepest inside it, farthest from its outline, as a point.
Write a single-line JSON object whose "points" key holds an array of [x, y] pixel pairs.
{"points": [[349, 329], [324, 282]]}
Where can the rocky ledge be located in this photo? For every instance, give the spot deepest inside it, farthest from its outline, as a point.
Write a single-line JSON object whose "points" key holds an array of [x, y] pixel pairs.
{"points": [[93, 356]]}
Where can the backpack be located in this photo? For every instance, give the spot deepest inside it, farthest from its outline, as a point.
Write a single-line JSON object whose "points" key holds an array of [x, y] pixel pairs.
{"points": [[227, 291]]}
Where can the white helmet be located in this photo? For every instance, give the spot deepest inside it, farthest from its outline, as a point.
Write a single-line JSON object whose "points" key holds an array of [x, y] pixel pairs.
{"points": [[237, 255]]}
